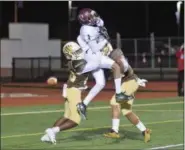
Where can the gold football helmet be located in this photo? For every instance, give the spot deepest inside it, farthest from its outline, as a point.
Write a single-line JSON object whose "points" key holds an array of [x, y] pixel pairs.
{"points": [[72, 51]]}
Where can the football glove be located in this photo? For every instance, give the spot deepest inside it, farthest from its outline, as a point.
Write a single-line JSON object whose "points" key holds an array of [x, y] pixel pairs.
{"points": [[142, 82], [103, 31]]}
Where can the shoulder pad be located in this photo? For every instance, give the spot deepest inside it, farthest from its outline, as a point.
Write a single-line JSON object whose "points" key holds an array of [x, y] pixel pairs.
{"points": [[85, 30]]}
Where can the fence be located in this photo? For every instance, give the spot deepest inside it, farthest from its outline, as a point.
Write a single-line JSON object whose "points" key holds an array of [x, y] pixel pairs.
{"points": [[138, 52], [141, 52]]}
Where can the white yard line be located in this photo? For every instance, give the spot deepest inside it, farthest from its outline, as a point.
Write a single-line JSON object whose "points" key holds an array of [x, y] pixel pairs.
{"points": [[88, 129], [168, 146], [91, 108]]}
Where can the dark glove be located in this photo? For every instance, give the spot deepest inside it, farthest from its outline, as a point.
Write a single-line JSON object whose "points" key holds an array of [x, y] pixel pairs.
{"points": [[103, 31]]}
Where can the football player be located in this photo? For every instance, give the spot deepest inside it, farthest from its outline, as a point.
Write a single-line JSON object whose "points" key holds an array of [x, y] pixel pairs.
{"points": [[130, 85], [94, 41], [71, 92]]}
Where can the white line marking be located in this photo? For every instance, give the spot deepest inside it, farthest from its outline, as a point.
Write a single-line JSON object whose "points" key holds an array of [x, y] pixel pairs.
{"points": [[88, 129], [168, 146], [20, 95], [91, 108]]}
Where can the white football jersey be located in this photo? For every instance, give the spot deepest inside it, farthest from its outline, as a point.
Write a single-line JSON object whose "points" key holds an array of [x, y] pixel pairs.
{"points": [[92, 36]]}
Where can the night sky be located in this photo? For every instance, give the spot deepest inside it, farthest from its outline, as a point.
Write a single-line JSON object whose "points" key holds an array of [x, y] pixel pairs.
{"points": [[131, 19]]}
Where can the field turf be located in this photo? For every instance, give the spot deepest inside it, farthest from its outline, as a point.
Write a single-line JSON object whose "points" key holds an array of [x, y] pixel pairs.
{"points": [[22, 127]]}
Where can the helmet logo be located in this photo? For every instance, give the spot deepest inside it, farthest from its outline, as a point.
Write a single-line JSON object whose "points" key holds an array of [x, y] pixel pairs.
{"points": [[68, 49]]}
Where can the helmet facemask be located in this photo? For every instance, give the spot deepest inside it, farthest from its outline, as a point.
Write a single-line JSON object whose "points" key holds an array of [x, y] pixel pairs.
{"points": [[73, 52], [78, 54]]}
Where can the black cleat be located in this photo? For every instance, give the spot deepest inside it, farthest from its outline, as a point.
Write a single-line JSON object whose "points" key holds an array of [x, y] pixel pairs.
{"points": [[122, 97], [81, 107]]}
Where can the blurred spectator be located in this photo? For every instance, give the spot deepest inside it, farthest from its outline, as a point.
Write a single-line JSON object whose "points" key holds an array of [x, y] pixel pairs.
{"points": [[180, 63]]}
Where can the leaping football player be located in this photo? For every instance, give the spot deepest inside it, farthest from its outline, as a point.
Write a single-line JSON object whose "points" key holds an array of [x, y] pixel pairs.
{"points": [[94, 41]]}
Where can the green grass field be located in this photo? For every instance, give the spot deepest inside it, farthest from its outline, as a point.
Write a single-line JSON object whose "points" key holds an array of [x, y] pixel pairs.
{"points": [[22, 127]]}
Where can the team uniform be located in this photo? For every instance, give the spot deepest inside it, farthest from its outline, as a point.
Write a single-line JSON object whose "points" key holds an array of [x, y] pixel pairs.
{"points": [[130, 84], [75, 84], [96, 47], [72, 94], [94, 41]]}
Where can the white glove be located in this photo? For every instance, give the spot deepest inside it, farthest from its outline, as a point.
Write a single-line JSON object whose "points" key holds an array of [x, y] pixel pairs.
{"points": [[64, 91], [99, 22], [142, 82]]}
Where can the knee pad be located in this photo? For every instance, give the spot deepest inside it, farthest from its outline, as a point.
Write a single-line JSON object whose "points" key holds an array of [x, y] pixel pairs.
{"points": [[127, 107]]}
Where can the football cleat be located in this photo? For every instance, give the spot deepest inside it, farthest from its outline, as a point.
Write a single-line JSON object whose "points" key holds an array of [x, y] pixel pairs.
{"points": [[81, 107], [121, 97], [51, 135], [112, 134], [146, 135], [45, 138]]}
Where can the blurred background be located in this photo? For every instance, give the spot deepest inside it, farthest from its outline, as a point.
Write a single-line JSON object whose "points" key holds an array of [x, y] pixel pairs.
{"points": [[130, 19], [33, 33]]}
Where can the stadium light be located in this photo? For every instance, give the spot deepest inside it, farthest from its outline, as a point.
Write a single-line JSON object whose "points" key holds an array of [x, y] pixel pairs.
{"points": [[69, 19], [177, 14]]}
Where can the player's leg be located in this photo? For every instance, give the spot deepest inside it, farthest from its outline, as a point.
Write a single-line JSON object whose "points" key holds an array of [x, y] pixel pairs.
{"points": [[93, 61], [100, 84], [130, 87], [116, 111], [71, 117], [134, 119], [108, 63], [65, 122], [63, 119], [50, 135]]}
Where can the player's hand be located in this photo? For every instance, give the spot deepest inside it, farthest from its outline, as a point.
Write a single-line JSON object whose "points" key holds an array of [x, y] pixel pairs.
{"points": [[104, 32], [99, 22], [142, 82]]}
